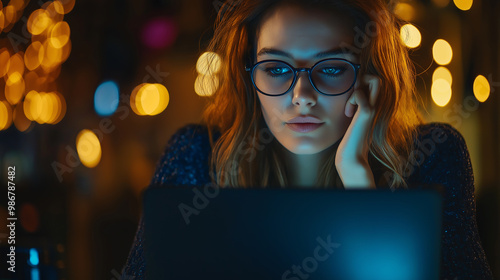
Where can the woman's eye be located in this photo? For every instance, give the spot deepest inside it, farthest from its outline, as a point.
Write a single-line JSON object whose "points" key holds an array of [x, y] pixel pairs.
{"points": [[332, 71], [278, 70]]}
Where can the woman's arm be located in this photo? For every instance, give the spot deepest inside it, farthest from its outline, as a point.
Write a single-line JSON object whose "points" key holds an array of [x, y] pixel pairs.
{"points": [[184, 162]]}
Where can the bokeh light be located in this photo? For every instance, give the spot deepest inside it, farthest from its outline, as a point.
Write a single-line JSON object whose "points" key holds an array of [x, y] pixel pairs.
{"points": [[4, 62], [14, 88], [206, 85], [209, 63], [404, 11], [34, 55], [20, 120], [463, 5], [29, 217], [441, 92], [159, 33], [149, 99], [442, 52], [16, 64], [442, 73], [88, 148], [410, 35], [106, 98], [59, 34], [5, 115], [39, 21], [481, 88]]}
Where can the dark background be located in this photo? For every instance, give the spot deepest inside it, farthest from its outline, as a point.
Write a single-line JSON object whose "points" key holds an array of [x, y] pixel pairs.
{"points": [[84, 224]]}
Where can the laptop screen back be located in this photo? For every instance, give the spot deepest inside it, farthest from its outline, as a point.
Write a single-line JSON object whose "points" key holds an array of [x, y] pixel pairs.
{"points": [[207, 233]]}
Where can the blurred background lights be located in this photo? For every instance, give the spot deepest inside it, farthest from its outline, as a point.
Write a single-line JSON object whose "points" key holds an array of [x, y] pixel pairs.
{"points": [[481, 88], [442, 73], [34, 55], [209, 63], [5, 115], [442, 52], [106, 98], [14, 88], [88, 148], [149, 99], [206, 85], [34, 259], [441, 92], [59, 35], [159, 33], [404, 11], [463, 5], [410, 35], [4, 61]]}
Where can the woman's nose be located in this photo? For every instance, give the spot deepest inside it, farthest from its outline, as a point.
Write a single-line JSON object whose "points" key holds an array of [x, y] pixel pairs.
{"points": [[304, 93]]}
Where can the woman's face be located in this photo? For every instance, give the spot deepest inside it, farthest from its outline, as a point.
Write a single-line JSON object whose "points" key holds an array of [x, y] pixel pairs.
{"points": [[298, 36]]}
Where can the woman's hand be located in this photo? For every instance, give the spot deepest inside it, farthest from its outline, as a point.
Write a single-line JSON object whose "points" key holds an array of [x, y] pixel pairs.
{"points": [[351, 159]]}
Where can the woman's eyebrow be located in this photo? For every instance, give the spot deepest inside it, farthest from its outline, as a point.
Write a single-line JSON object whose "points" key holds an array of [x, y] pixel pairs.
{"points": [[271, 51]]}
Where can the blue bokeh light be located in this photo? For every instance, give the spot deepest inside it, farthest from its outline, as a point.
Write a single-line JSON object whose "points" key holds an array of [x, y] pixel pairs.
{"points": [[34, 260], [106, 98]]}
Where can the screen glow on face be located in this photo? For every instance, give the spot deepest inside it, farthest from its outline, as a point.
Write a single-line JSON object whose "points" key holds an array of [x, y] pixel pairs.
{"points": [[302, 38]]}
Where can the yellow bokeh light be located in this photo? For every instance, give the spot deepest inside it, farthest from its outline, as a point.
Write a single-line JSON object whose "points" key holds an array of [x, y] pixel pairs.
{"points": [[442, 73], [52, 58], [88, 148], [5, 115], [2, 20], [481, 88], [55, 10], [39, 21], [59, 35], [209, 63], [441, 92], [20, 121], [442, 52], [47, 108], [10, 12], [16, 64], [206, 85], [149, 99], [463, 5], [61, 103], [14, 88], [404, 11], [4, 61], [68, 5], [34, 55], [410, 35]]}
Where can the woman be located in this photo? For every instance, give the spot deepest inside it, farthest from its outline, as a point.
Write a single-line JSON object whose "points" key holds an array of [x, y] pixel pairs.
{"points": [[321, 93]]}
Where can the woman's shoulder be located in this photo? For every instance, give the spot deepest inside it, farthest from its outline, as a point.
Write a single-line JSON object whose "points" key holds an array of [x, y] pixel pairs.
{"points": [[185, 160], [440, 147]]}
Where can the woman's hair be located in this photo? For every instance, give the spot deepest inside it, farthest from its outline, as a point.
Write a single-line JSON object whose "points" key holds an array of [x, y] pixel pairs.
{"points": [[246, 154]]}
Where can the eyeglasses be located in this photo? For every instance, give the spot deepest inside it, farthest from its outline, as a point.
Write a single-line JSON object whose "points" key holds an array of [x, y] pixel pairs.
{"points": [[334, 76]]}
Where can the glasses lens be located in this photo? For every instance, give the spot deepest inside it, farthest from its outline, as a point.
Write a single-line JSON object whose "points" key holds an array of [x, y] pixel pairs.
{"points": [[273, 77], [333, 76]]}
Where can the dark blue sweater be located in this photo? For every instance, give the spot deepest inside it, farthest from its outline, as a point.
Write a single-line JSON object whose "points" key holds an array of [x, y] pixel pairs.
{"points": [[441, 157]]}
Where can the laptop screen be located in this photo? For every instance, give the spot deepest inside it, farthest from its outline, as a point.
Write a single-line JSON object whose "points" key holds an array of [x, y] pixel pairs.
{"points": [[203, 232]]}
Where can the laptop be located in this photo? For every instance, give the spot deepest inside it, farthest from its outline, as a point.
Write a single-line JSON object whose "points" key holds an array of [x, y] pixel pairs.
{"points": [[228, 233]]}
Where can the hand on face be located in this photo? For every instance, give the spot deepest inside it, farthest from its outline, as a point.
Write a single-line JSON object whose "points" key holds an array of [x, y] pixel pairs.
{"points": [[354, 147]]}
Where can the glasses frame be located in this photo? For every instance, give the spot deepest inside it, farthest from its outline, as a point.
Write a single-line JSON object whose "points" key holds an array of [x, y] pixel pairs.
{"points": [[296, 71]]}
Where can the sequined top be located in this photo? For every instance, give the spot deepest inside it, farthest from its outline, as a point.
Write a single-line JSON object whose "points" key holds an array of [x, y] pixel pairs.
{"points": [[441, 157]]}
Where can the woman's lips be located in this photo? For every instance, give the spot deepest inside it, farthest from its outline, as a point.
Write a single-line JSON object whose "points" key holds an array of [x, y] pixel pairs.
{"points": [[304, 127]]}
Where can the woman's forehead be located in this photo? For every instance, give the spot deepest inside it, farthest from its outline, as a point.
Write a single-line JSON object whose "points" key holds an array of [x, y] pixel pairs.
{"points": [[303, 33]]}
